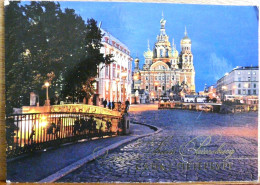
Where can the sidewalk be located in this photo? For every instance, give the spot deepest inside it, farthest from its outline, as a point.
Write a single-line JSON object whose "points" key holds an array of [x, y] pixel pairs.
{"points": [[40, 165]]}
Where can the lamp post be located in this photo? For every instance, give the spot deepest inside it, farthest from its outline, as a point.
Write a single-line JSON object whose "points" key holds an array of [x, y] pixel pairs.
{"points": [[136, 95], [47, 101]]}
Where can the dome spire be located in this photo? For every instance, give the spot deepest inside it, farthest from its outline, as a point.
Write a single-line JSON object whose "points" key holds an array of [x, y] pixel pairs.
{"points": [[185, 33]]}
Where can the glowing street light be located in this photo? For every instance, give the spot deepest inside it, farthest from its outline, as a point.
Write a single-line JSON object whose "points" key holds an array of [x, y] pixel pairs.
{"points": [[47, 101]]}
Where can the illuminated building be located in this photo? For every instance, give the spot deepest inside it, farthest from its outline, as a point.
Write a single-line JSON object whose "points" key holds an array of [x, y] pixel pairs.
{"points": [[241, 84], [114, 80], [164, 67]]}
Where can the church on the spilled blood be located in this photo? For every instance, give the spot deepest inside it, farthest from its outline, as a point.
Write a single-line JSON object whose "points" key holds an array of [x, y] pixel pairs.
{"points": [[164, 68]]}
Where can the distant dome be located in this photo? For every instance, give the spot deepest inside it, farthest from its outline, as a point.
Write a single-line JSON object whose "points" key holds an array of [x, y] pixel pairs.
{"points": [[148, 54]]}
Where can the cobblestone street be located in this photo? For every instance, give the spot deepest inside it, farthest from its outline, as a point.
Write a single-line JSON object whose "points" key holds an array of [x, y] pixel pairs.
{"points": [[193, 146]]}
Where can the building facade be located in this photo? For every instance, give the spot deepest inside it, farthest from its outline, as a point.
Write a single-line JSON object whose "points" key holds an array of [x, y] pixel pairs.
{"points": [[241, 84], [164, 67], [114, 80]]}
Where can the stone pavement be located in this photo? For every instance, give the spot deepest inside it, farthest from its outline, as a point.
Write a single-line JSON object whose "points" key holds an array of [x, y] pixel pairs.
{"points": [[193, 146], [39, 165]]}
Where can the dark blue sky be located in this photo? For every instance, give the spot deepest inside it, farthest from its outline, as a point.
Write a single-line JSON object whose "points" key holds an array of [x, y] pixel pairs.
{"points": [[223, 37]]}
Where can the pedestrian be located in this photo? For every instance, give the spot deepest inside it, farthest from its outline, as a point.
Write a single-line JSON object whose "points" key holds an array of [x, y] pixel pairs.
{"points": [[100, 130], [105, 103], [109, 104], [57, 130], [76, 126], [127, 103], [113, 105]]}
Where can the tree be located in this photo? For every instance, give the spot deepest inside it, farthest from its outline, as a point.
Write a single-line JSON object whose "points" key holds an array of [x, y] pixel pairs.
{"points": [[80, 80], [42, 43]]}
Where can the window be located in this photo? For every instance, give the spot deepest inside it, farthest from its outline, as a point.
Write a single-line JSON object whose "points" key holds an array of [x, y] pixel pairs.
{"points": [[146, 77], [172, 88], [249, 78], [114, 72], [238, 73], [249, 73], [253, 73], [244, 91], [106, 71], [239, 85], [249, 92], [155, 77], [161, 52], [163, 88], [239, 79], [146, 87], [155, 88], [163, 78], [159, 77], [249, 85], [254, 91], [239, 91], [254, 85]]}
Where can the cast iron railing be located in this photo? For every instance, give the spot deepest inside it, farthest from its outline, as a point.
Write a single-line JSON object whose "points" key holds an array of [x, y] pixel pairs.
{"points": [[37, 131]]}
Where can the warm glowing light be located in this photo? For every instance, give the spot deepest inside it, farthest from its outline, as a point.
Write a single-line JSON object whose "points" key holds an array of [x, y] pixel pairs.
{"points": [[246, 85], [156, 83], [234, 87], [135, 77], [117, 80], [171, 94], [47, 84], [123, 74], [43, 121], [224, 87]]}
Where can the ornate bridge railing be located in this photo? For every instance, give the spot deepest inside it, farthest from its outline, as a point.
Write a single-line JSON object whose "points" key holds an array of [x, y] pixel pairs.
{"points": [[37, 131]]}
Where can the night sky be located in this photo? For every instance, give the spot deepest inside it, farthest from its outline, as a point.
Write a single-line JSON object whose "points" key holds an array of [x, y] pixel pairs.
{"points": [[223, 37]]}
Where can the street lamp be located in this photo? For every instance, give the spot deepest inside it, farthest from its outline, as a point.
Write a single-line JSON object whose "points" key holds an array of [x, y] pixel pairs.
{"points": [[47, 101], [136, 95]]}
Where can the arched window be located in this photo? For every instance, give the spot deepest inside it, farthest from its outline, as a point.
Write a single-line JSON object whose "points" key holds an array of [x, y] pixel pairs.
{"points": [[161, 52]]}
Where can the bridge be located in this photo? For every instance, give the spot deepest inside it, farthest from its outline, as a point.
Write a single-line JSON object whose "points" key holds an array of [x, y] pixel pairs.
{"points": [[38, 128]]}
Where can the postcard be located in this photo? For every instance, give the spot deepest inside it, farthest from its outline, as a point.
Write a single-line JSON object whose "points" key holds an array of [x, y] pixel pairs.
{"points": [[131, 92]]}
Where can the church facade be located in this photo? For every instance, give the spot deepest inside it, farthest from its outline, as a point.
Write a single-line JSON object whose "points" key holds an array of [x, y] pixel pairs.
{"points": [[164, 67]]}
